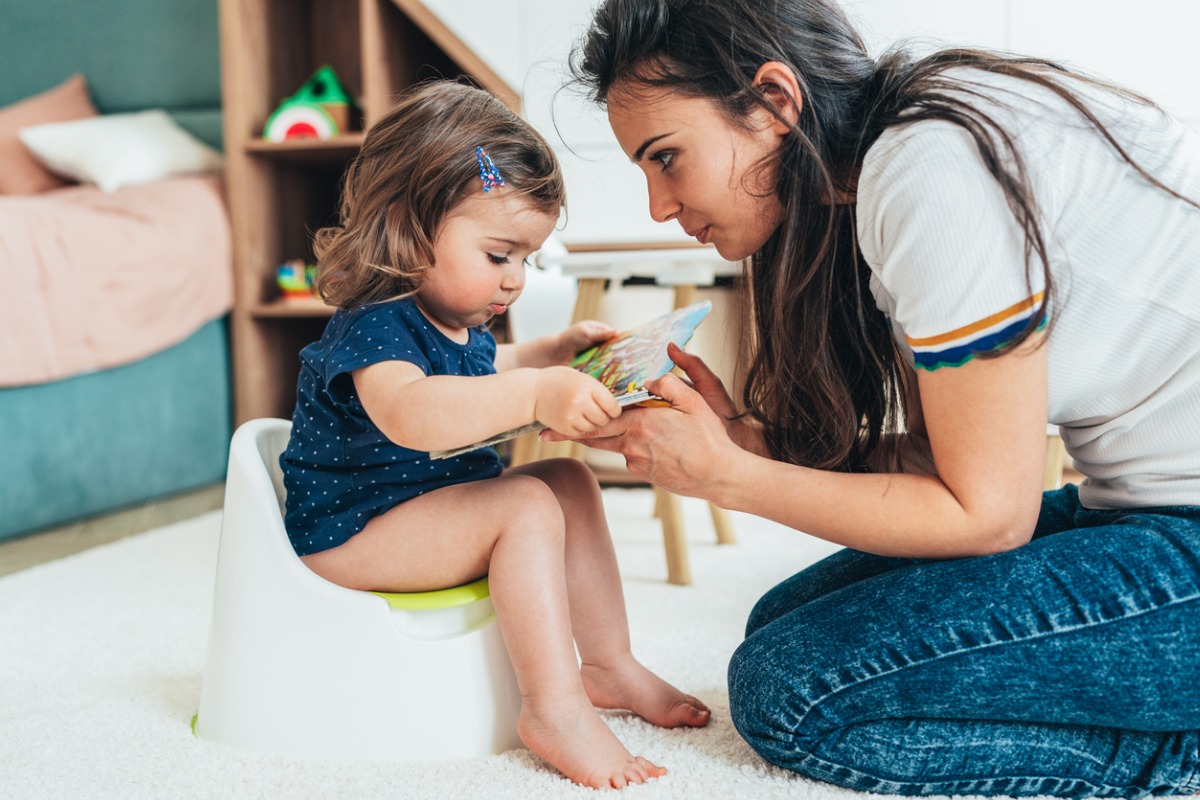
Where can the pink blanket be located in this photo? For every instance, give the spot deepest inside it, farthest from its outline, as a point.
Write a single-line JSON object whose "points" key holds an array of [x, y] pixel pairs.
{"points": [[91, 280]]}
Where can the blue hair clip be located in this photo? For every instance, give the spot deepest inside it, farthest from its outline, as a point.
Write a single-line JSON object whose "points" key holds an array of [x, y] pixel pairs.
{"points": [[487, 170]]}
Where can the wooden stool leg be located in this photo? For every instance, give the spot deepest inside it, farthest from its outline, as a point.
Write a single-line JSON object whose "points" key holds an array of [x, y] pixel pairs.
{"points": [[722, 524], [685, 295], [1055, 457], [679, 572], [524, 450]]}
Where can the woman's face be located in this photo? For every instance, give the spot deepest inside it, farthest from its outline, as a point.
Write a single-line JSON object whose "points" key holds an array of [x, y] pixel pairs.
{"points": [[702, 170]]}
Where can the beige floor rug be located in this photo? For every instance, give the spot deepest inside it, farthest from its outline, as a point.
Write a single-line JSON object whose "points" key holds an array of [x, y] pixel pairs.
{"points": [[101, 657]]}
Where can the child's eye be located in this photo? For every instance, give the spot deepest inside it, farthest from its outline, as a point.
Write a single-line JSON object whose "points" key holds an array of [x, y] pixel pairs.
{"points": [[496, 258], [664, 158]]}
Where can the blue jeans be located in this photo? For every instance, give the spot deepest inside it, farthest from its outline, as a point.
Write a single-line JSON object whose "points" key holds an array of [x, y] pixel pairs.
{"points": [[1068, 667]]}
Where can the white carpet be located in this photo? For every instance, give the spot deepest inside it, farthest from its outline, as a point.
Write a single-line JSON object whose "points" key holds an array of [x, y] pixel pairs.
{"points": [[101, 657]]}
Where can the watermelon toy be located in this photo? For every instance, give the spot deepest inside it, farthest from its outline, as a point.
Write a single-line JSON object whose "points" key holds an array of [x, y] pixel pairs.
{"points": [[295, 279], [320, 109]]}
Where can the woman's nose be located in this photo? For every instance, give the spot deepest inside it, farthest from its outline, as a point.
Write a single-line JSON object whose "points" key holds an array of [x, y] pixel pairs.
{"points": [[663, 205]]}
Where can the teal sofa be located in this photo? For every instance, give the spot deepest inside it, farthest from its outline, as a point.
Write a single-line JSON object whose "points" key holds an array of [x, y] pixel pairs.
{"points": [[99, 441]]}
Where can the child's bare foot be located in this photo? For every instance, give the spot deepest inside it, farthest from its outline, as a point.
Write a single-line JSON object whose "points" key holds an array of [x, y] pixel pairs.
{"points": [[569, 734], [625, 683]]}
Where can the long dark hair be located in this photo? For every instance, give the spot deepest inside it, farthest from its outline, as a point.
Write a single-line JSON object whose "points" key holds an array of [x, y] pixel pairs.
{"points": [[825, 380]]}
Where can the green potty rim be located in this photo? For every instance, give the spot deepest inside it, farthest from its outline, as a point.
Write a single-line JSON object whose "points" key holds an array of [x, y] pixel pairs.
{"points": [[442, 598]]}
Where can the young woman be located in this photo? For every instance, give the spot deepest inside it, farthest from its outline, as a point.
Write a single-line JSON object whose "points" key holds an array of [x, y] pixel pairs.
{"points": [[946, 254]]}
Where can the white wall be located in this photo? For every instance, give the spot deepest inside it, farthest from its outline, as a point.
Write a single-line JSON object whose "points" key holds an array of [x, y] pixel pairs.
{"points": [[1148, 45]]}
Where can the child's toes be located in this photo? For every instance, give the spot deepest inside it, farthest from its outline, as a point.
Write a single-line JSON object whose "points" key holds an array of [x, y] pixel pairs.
{"points": [[691, 712], [651, 769], [636, 773]]}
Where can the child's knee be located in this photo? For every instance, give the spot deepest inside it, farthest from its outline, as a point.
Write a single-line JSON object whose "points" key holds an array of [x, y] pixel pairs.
{"points": [[533, 507], [576, 473]]}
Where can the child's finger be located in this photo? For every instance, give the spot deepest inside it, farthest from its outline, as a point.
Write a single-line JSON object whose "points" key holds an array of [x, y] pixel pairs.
{"points": [[595, 330], [674, 391], [607, 403], [593, 418]]}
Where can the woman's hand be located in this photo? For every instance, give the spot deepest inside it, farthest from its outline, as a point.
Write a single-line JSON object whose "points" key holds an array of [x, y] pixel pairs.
{"points": [[571, 403], [706, 383], [579, 337], [681, 448]]}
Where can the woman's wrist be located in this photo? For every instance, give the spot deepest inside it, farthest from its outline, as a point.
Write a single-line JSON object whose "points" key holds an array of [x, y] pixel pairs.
{"points": [[747, 435], [728, 484]]}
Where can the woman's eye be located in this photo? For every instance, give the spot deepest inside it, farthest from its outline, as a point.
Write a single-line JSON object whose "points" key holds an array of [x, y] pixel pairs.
{"points": [[497, 259], [664, 159]]}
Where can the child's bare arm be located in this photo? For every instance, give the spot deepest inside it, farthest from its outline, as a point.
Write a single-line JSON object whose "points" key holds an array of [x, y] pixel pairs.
{"points": [[442, 412], [555, 349]]}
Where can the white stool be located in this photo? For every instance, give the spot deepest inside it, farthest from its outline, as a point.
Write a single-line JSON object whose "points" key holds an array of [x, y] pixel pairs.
{"points": [[297, 665]]}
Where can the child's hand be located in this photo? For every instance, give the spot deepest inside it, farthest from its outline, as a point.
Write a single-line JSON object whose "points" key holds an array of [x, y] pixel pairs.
{"points": [[572, 403], [580, 337]]}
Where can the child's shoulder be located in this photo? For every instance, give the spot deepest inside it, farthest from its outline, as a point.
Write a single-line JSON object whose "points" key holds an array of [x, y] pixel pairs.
{"points": [[393, 318], [396, 308], [401, 313]]}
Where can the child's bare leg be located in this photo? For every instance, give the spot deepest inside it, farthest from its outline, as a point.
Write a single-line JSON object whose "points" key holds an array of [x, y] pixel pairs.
{"points": [[512, 529], [612, 677]]}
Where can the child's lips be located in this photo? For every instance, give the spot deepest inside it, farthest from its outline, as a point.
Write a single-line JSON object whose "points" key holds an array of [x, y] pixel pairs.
{"points": [[498, 308]]}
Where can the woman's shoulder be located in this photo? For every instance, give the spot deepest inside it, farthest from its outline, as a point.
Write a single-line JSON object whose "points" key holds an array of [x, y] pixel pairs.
{"points": [[922, 144], [910, 165]]}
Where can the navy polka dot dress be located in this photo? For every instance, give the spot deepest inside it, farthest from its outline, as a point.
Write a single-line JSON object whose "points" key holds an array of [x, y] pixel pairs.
{"points": [[338, 468]]}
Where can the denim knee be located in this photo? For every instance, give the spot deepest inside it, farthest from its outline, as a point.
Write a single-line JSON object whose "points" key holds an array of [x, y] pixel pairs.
{"points": [[763, 613], [756, 699]]}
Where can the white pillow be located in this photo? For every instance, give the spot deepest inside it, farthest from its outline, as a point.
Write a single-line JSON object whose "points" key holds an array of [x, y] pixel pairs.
{"points": [[116, 150]]}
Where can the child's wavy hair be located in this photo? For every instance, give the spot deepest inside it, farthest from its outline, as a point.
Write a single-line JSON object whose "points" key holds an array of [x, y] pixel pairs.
{"points": [[416, 165]]}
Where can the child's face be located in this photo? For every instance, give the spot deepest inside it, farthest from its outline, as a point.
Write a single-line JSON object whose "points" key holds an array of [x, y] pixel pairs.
{"points": [[479, 258], [701, 170]]}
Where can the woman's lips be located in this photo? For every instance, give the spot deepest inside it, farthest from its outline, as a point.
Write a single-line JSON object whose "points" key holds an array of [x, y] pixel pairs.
{"points": [[702, 235]]}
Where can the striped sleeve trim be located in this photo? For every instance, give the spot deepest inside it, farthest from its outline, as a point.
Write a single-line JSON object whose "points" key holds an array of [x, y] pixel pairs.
{"points": [[957, 347]]}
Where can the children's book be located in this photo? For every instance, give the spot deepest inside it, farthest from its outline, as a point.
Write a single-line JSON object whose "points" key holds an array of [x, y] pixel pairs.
{"points": [[623, 364]]}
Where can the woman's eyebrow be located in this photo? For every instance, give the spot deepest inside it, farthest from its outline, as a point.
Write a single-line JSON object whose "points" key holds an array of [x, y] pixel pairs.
{"points": [[641, 151]]}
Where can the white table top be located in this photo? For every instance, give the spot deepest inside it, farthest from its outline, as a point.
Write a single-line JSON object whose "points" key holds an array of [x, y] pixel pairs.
{"points": [[695, 266]]}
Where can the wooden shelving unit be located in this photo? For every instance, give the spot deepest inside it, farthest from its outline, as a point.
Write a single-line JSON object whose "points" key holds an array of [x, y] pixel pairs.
{"points": [[281, 193]]}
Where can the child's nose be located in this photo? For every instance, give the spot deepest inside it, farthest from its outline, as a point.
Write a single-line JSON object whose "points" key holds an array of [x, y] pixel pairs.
{"points": [[514, 279]]}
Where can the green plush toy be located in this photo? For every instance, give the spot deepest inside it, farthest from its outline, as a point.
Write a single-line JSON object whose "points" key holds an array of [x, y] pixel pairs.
{"points": [[320, 109]]}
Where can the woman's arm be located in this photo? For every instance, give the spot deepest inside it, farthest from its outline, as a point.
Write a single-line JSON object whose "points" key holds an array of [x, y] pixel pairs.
{"points": [[908, 451], [554, 349], [986, 425], [442, 412]]}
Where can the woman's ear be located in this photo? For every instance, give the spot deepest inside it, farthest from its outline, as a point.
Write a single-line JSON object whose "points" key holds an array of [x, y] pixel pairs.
{"points": [[778, 84]]}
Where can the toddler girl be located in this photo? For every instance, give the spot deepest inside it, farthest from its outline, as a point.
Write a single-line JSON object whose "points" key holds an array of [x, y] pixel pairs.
{"points": [[450, 195]]}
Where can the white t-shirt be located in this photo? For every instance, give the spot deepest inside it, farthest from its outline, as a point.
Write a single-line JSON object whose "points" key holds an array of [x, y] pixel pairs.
{"points": [[948, 264]]}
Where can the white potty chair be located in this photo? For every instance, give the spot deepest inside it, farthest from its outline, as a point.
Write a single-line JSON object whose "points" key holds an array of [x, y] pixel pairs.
{"points": [[299, 666]]}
